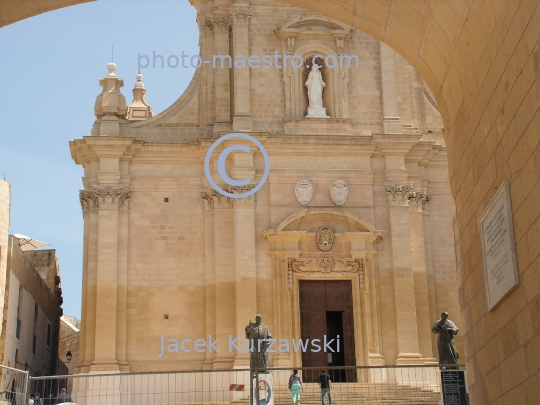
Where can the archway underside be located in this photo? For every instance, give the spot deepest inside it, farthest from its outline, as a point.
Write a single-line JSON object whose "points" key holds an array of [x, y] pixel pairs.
{"points": [[481, 61]]}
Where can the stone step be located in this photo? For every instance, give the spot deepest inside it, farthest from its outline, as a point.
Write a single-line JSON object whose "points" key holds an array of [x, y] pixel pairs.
{"points": [[357, 393]]}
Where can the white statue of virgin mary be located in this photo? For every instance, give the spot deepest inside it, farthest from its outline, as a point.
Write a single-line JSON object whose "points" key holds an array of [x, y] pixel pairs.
{"points": [[315, 86]]}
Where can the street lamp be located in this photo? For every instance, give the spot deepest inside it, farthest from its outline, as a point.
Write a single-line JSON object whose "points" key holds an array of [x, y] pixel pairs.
{"points": [[68, 356]]}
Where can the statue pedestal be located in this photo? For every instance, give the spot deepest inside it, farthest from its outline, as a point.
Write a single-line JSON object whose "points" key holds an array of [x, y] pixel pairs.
{"points": [[316, 113], [321, 126]]}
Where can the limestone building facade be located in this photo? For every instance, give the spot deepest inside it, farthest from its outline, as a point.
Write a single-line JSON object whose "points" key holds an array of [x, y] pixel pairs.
{"points": [[68, 346], [31, 311], [351, 235], [31, 300]]}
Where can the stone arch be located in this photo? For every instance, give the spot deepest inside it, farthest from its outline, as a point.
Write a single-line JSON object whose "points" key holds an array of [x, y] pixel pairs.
{"points": [[480, 60]]}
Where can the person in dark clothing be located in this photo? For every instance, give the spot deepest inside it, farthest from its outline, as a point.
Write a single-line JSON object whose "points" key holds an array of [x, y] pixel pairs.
{"points": [[325, 383], [63, 397]]}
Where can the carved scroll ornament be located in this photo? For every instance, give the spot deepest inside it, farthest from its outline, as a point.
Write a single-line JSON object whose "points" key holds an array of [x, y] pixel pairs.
{"points": [[325, 265]]}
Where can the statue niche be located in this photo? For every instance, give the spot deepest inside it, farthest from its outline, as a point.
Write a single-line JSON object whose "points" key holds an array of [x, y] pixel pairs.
{"points": [[316, 88], [307, 35]]}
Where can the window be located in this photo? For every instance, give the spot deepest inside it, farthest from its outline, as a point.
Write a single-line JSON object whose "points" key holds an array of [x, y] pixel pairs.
{"points": [[34, 345], [18, 331], [35, 312], [48, 335], [16, 357]]}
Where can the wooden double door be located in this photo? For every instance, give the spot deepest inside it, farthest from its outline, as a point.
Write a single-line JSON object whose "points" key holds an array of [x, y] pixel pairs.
{"points": [[326, 312]]}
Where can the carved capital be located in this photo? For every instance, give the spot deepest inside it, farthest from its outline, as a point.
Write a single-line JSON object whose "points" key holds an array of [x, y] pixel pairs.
{"points": [[426, 204], [221, 24], [290, 45], [420, 200], [241, 190], [214, 200], [398, 193], [325, 265], [207, 26], [241, 17], [340, 44], [104, 198]]}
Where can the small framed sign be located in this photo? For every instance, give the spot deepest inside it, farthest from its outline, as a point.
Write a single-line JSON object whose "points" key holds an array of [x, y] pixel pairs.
{"points": [[454, 390], [499, 247]]}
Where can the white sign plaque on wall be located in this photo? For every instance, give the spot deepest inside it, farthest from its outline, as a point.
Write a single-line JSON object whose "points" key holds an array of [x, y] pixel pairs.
{"points": [[499, 247]]}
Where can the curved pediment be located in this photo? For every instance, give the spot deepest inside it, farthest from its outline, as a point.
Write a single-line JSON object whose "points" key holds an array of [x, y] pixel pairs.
{"points": [[355, 223], [313, 24]]}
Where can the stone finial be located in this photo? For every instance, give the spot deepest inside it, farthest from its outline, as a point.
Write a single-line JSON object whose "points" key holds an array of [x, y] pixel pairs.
{"points": [[111, 67], [110, 106], [139, 110]]}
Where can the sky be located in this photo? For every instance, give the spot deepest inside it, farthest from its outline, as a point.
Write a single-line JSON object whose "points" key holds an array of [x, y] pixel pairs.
{"points": [[50, 67]]}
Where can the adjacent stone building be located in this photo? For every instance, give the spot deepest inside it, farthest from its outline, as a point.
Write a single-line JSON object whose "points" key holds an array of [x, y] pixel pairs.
{"points": [[69, 342], [5, 205], [32, 310], [31, 300], [351, 235]]}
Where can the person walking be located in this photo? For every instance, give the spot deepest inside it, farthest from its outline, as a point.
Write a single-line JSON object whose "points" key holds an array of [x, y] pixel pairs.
{"points": [[325, 383], [295, 385]]}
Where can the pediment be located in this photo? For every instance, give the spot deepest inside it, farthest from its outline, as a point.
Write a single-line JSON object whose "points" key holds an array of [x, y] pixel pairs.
{"points": [[313, 25]]}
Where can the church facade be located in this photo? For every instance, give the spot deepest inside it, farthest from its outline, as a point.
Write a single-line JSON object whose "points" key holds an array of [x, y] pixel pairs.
{"points": [[350, 236]]}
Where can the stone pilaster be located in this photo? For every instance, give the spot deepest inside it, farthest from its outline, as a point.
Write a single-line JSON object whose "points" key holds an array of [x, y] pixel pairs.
{"points": [[105, 211], [221, 25], [245, 263], [210, 273], [391, 121], [418, 202], [225, 288], [122, 287], [207, 52], [429, 271], [111, 272], [242, 120], [284, 247], [404, 288], [89, 282]]}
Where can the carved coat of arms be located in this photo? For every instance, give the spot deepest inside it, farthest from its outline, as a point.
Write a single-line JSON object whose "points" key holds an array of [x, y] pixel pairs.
{"points": [[339, 192], [325, 238], [303, 191]]}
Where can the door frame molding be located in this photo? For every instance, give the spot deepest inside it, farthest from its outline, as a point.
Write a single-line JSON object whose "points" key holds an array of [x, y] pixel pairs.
{"points": [[359, 314], [289, 242]]}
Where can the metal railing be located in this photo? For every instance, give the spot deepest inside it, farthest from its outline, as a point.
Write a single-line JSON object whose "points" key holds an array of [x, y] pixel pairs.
{"points": [[397, 385], [182, 387], [14, 385]]}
